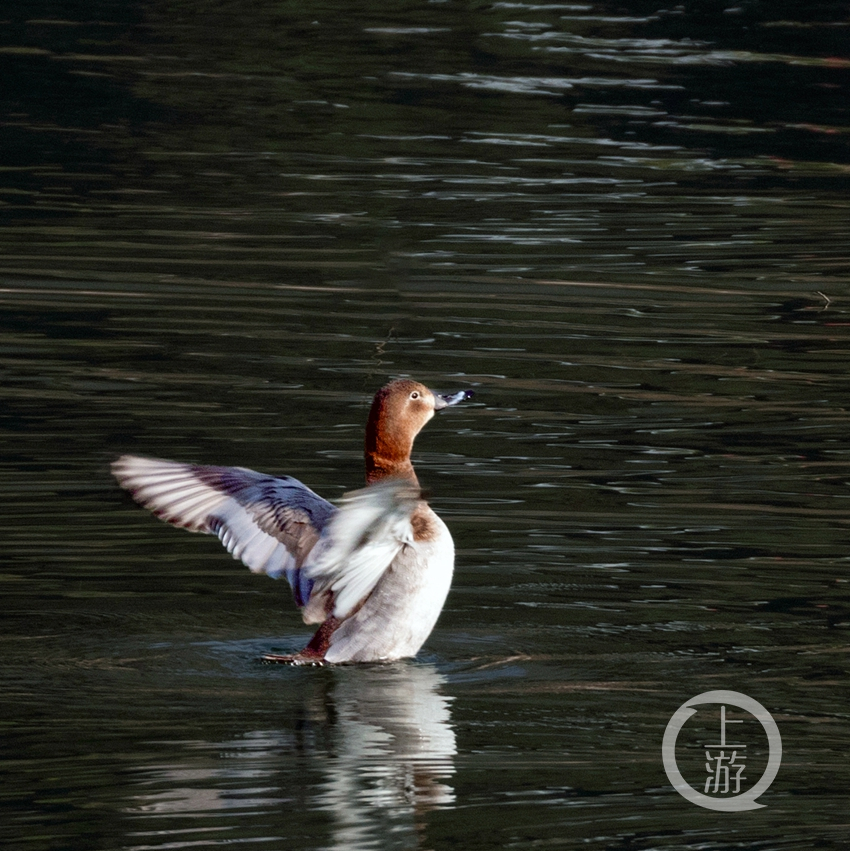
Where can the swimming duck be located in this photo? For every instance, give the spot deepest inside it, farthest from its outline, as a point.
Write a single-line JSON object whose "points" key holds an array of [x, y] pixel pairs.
{"points": [[373, 572]]}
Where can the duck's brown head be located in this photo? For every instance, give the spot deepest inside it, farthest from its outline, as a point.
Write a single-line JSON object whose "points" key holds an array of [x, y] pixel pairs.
{"points": [[399, 411]]}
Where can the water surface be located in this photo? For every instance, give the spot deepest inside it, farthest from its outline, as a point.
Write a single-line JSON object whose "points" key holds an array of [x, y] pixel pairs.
{"points": [[226, 225]]}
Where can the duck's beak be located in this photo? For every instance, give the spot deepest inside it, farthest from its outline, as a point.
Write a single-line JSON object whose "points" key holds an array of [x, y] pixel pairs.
{"points": [[444, 400]]}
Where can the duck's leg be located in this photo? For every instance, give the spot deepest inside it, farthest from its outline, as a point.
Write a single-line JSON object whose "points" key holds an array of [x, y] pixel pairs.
{"points": [[314, 652]]}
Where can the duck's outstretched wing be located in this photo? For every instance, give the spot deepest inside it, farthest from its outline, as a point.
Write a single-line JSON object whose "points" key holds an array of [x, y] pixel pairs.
{"points": [[270, 523], [359, 543]]}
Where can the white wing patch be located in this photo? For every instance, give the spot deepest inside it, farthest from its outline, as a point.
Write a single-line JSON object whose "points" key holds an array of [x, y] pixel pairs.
{"points": [[361, 541], [242, 538]]}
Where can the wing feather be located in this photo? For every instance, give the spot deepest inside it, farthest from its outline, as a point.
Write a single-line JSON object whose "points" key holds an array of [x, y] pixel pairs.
{"points": [[269, 523], [360, 542]]}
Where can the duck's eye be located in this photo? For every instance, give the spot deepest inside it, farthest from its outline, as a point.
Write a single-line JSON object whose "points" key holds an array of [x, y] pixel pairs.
{"points": [[414, 394]]}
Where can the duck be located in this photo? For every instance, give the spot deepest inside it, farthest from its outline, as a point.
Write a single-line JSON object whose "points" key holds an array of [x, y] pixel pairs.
{"points": [[373, 571]]}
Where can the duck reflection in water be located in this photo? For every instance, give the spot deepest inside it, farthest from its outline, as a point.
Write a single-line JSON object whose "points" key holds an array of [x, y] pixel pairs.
{"points": [[374, 573], [372, 746]]}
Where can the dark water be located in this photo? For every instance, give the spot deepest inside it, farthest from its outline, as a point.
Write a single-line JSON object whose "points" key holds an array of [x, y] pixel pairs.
{"points": [[224, 225]]}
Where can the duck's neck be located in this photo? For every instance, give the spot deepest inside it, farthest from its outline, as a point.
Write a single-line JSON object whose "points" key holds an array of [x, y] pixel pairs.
{"points": [[387, 455], [379, 467]]}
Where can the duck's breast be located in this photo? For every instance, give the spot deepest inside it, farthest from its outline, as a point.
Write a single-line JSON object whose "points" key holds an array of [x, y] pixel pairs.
{"points": [[399, 614]]}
